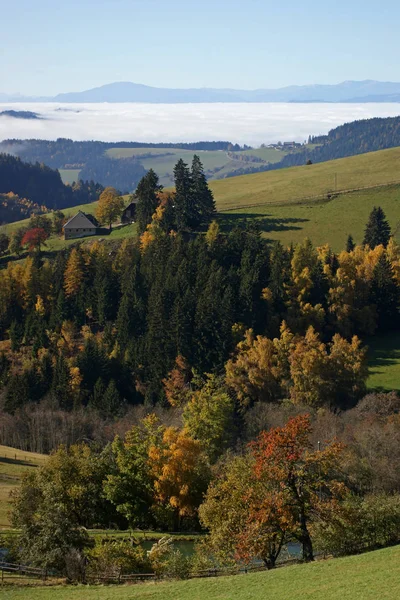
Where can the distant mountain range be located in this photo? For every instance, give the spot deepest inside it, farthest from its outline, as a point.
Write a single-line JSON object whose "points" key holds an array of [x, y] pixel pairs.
{"points": [[348, 91]]}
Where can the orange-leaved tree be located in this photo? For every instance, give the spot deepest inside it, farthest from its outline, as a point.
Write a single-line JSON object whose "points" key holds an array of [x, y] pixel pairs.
{"points": [[295, 482], [181, 473]]}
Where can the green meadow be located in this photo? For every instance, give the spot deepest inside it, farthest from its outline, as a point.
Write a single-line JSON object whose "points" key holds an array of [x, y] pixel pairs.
{"points": [[323, 221], [296, 184], [384, 362], [371, 576]]}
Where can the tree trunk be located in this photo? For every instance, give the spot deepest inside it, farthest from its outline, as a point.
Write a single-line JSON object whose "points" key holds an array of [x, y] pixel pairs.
{"points": [[269, 562], [308, 554]]}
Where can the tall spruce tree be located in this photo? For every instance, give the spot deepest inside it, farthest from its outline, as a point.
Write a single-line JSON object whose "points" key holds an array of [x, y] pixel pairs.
{"points": [[385, 294], [350, 245], [186, 209], [60, 384], [147, 199], [377, 230], [111, 400], [204, 197]]}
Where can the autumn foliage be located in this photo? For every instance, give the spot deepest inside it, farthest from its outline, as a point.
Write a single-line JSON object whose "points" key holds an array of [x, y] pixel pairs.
{"points": [[273, 494], [34, 238]]}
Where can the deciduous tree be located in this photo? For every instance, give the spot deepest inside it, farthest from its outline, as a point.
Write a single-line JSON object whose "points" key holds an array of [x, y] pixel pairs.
{"points": [[34, 239], [110, 206]]}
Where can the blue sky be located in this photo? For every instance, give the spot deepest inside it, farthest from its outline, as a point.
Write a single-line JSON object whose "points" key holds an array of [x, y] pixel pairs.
{"points": [[48, 46]]}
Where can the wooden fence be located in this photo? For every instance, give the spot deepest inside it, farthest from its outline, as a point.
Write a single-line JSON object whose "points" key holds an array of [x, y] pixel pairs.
{"points": [[13, 570]]}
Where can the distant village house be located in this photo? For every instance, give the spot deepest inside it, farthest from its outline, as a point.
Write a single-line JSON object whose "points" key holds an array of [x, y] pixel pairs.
{"points": [[129, 214], [80, 225]]}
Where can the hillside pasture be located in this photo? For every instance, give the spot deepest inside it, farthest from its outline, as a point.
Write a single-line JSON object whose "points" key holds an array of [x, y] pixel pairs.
{"points": [[14, 464], [323, 221], [365, 577], [308, 182]]}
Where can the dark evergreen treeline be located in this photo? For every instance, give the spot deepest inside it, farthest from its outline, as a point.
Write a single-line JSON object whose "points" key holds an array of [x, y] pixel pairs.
{"points": [[123, 174], [358, 137], [42, 185]]}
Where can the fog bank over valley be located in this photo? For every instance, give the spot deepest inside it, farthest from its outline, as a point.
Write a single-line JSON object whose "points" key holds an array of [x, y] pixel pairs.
{"points": [[252, 124]]}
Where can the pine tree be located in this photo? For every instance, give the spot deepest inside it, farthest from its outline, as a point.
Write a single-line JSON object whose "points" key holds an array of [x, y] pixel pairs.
{"points": [[18, 393], [59, 312], [147, 199], [350, 245], [96, 400], [203, 195], [377, 230], [16, 335], [60, 383], [385, 294], [187, 214], [111, 400], [131, 315]]}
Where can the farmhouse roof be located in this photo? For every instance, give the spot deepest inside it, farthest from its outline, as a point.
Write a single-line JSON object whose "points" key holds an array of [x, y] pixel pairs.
{"points": [[79, 221]]}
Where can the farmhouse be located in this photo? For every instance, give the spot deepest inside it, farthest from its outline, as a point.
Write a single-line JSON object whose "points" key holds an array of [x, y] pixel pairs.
{"points": [[129, 214], [79, 226]]}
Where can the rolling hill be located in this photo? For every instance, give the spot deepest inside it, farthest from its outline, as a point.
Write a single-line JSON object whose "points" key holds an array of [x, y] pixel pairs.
{"points": [[298, 202]]}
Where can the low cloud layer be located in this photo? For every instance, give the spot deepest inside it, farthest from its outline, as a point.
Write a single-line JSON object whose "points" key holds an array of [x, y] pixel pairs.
{"points": [[252, 124]]}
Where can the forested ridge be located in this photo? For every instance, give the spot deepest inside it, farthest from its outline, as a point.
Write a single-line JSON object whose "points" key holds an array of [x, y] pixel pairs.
{"points": [[357, 137], [42, 185]]}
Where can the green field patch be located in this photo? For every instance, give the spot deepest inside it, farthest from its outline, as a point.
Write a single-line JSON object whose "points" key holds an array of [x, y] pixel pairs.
{"points": [[371, 576], [268, 155], [384, 362], [69, 175]]}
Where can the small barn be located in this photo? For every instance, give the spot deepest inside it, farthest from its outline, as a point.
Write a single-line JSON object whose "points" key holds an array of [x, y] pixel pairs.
{"points": [[129, 214], [80, 225]]}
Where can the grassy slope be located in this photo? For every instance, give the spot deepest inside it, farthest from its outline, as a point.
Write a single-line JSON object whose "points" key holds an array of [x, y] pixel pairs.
{"points": [[294, 184], [280, 205], [13, 464], [323, 221], [366, 577]]}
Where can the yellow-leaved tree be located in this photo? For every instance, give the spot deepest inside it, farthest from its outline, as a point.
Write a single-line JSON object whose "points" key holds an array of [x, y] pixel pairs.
{"points": [[73, 276], [110, 206], [181, 473]]}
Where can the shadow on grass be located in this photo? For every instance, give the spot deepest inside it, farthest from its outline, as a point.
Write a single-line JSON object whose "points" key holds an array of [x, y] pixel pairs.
{"points": [[227, 222], [16, 461]]}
